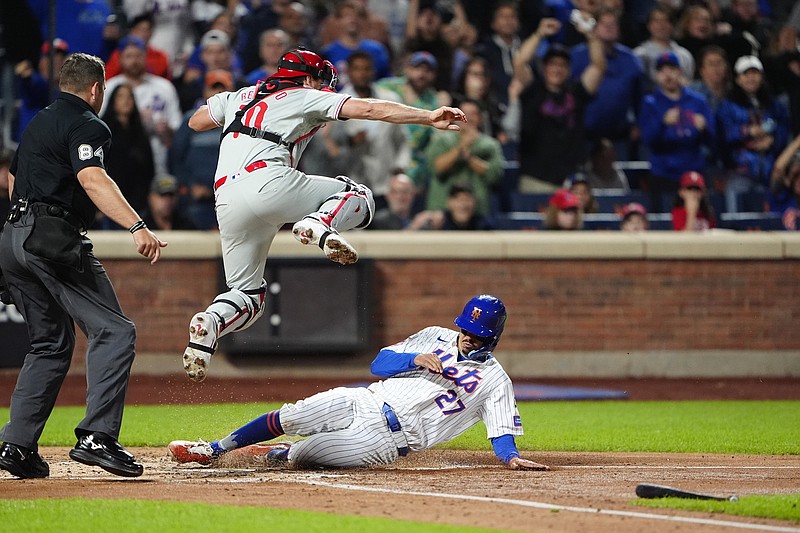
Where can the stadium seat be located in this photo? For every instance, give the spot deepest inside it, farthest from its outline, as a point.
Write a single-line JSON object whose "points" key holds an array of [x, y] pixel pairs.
{"points": [[635, 171], [752, 221], [528, 202], [517, 221], [613, 203], [753, 202], [601, 221]]}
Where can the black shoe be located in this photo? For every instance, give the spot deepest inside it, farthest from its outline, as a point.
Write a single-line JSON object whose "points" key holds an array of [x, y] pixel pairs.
{"points": [[101, 450], [22, 462]]}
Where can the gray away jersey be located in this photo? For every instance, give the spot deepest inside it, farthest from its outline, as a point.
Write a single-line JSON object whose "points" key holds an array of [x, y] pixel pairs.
{"points": [[435, 408], [294, 114]]}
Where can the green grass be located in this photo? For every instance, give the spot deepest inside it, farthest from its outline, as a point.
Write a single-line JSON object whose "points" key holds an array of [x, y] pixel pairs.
{"points": [[778, 506], [76, 515], [752, 427], [747, 427]]}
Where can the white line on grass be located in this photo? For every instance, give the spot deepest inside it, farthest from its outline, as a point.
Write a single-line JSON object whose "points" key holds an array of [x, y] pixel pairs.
{"points": [[541, 505]]}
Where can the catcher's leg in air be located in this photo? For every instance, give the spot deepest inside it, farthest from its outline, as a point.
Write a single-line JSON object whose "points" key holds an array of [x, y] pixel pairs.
{"points": [[234, 310], [351, 208]]}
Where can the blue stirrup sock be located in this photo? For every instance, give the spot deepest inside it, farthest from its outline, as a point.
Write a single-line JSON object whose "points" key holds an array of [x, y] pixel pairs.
{"points": [[265, 427]]}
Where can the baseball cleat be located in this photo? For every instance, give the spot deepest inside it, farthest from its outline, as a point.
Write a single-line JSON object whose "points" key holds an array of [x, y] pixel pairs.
{"points": [[184, 451], [202, 344], [336, 248]]}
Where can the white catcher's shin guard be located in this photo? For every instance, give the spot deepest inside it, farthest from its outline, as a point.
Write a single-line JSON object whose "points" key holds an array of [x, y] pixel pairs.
{"points": [[237, 310], [351, 208], [234, 310]]}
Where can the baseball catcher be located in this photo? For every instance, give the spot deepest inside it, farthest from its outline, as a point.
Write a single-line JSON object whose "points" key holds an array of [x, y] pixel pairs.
{"points": [[257, 186]]}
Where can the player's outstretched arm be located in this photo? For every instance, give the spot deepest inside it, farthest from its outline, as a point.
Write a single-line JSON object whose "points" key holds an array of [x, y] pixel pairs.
{"points": [[396, 113], [506, 450], [201, 119], [518, 463]]}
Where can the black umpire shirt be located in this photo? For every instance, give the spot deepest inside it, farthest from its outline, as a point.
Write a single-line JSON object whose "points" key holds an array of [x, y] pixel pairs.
{"points": [[61, 140]]}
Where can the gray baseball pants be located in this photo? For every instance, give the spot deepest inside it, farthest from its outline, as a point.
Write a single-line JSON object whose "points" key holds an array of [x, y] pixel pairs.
{"points": [[52, 298], [253, 207]]}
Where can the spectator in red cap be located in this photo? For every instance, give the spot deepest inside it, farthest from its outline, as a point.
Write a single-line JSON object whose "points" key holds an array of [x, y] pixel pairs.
{"points": [[634, 218], [692, 212], [563, 212]]}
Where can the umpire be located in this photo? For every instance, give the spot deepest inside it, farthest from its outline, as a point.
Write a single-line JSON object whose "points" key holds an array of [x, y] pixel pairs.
{"points": [[57, 183]]}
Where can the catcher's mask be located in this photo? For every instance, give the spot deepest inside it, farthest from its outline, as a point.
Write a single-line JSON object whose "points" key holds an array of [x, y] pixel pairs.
{"points": [[484, 316], [300, 63]]}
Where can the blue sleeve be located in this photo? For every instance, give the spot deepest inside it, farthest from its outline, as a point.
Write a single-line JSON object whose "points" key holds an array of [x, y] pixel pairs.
{"points": [[505, 448], [388, 363], [651, 121]]}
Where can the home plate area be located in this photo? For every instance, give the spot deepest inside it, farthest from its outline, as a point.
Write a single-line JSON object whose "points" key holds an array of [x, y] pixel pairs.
{"points": [[582, 492]]}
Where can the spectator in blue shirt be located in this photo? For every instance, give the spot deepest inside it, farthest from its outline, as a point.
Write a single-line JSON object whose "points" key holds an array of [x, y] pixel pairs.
{"points": [[193, 157], [31, 85], [677, 127], [612, 112], [87, 25], [754, 129], [350, 18], [785, 186]]}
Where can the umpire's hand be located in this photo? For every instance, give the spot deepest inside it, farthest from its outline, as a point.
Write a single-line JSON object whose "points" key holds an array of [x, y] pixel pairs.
{"points": [[148, 244]]}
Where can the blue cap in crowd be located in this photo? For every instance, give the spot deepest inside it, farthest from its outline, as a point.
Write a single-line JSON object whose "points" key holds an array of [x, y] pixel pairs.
{"points": [[131, 40], [423, 58], [667, 58]]}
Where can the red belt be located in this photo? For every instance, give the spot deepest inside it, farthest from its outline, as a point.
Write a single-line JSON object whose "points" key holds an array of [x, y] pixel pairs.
{"points": [[249, 168]]}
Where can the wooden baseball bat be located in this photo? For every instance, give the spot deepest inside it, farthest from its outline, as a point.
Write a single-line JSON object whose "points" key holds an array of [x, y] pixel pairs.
{"points": [[646, 490]]}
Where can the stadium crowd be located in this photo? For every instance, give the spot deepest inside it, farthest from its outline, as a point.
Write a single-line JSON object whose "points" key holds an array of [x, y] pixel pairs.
{"points": [[634, 114]]}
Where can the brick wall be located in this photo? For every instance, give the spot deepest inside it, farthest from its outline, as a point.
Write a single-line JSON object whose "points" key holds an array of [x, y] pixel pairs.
{"points": [[554, 305], [595, 305]]}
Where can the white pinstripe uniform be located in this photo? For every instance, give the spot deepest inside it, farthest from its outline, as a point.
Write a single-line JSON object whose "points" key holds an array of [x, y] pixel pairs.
{"points": [[253, 205], [348, 427]]}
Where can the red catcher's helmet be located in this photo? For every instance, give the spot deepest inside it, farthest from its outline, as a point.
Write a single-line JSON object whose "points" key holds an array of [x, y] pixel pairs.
{"points": [[299, 64]]}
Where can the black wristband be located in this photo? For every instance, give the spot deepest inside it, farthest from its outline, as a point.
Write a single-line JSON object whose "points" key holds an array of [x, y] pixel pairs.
{"points": [[136, 227]]}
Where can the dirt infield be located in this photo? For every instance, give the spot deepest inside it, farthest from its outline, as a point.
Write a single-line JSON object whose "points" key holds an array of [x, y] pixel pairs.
{"points": [[582, 492]]}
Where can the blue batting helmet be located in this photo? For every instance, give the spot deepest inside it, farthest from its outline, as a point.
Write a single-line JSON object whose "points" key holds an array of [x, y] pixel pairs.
{"points": [[483, 316]]}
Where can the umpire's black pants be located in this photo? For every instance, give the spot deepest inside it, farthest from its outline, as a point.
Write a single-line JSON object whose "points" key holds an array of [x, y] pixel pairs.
{"points": [[52, 298]]}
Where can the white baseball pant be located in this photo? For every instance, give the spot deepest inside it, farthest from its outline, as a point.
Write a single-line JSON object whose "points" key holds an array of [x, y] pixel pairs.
{"points": [[346, 427]]}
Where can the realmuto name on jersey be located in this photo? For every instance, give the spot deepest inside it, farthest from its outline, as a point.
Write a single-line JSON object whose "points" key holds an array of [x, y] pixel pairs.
{"points": [[247, 95]]}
